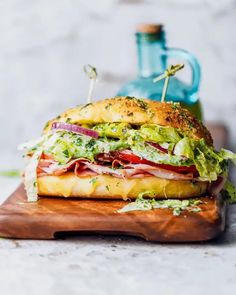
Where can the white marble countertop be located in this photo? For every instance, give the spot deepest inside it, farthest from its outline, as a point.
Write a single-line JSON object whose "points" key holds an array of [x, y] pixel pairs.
{"points": [[116, 265]]}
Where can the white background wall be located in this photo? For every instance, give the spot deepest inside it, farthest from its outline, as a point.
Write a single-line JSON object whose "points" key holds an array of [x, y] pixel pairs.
{"points": [[45, 43]]}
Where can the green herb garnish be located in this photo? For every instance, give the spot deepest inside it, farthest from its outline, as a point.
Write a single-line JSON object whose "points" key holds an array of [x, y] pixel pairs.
{"points": [[93, 180], [68, 120], [66, 153]]}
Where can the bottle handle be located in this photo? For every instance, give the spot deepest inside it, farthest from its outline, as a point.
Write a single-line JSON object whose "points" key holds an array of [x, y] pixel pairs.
{"points": [[195, 67]]}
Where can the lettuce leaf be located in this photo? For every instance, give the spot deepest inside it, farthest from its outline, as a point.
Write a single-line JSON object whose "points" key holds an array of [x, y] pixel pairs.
{"points": [[230, 192], [31, 145], [209, 162], [153, 132], [151, 154], [228, 155], [63, 146], [184, 147], [30, 182], [114, 130]]}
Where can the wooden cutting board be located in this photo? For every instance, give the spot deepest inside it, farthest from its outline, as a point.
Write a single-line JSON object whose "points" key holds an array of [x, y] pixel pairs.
{"points": [[49, 218]]}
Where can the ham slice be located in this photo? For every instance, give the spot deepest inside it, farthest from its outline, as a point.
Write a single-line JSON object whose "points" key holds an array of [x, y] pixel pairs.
{"points": [[160, 172], [83, 167], [106, 157], [55, 169], [120, 173], [81, 170]]}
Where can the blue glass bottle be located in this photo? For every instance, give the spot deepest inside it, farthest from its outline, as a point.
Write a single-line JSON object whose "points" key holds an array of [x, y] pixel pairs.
{"points": [[152, 61]]}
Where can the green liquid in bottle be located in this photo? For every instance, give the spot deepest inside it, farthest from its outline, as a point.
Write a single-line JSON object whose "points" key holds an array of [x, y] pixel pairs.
{"points": [[195, 108]]}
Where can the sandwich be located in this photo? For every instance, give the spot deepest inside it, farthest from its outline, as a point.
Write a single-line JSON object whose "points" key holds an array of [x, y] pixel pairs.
{"points": [[126, 148]]}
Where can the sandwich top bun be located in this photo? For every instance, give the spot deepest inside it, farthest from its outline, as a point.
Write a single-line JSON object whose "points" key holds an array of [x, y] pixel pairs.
{"points": [[135, 111]]}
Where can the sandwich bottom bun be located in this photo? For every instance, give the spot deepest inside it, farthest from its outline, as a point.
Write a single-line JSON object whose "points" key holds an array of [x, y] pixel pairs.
{"points": [[109, 187]]}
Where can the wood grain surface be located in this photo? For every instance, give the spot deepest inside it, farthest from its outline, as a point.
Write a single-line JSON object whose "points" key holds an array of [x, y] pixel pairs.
{"points": [[49, 217]]}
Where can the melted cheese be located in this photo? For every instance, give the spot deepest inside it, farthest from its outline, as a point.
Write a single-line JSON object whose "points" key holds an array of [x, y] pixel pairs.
{"points": [[105, 186]]}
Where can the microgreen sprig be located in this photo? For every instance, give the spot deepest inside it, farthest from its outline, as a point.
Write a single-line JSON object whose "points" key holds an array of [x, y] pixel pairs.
{"points": [[91, 73], [10, 173], [166, 75]]}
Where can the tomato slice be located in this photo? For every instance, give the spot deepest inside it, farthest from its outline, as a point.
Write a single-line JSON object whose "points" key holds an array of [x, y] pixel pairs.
{"points": [[130, 157]]}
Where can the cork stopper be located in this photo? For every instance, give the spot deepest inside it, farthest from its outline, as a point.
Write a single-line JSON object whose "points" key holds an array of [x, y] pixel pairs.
{"points": [[149, 28]]}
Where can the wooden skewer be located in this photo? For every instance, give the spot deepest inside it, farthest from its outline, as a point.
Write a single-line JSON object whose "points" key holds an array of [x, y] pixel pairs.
{"points": [[91, 73], [166, 75]]}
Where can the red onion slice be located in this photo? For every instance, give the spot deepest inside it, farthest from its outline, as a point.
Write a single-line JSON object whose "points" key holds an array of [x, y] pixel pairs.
{"points": [[157, 146], [75, 129]]}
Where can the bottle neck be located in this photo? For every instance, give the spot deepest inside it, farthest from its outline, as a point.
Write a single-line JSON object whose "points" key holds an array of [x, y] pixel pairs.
{"points": [[151, 60]]}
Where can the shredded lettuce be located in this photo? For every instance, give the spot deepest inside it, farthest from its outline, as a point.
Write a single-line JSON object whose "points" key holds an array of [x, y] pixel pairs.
{"points": [[32, 144], [184, 147], [177, 206], [230, 192], [158, 133], [209, 163], [63, 146], [228, 155], [113, 130], [150, 153], [151, 132], [183, 151], [31, 185]]}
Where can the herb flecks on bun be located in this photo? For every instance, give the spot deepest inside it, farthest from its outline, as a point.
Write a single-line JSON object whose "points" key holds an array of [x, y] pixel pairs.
{"points": [[122, 147]]}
